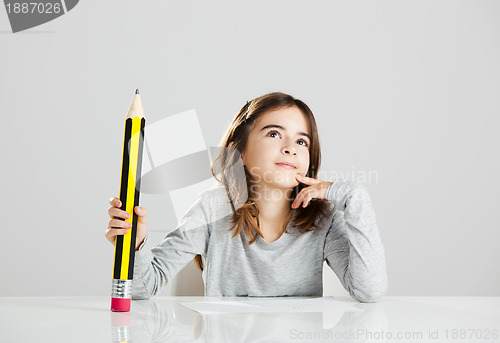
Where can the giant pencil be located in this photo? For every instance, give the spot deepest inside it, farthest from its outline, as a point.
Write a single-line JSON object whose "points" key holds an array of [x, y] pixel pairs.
{"points": [[123, 269]]}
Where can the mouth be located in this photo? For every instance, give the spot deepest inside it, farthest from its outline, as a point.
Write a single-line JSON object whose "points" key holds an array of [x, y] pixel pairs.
{"points": [[286, 165]]}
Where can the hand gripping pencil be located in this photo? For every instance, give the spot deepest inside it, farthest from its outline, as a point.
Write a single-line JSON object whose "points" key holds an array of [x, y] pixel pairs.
{"points": [[123, 269]]}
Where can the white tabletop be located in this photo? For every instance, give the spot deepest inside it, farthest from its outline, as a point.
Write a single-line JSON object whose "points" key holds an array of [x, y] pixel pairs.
{"points": [[164, 319]]}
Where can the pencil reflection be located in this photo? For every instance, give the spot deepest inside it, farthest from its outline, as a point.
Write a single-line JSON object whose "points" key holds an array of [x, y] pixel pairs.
{"points": [[120, 327], [166, 320]]}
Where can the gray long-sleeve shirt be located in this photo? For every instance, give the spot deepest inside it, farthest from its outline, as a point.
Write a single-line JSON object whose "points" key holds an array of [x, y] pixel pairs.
{"points": [[348, 239]]}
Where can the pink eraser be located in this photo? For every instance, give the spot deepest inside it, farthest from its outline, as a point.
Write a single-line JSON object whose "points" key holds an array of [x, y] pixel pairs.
{"points": [[120, 305]]}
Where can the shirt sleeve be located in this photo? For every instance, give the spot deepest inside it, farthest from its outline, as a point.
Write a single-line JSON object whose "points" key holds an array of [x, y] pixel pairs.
{"points": [[353, 248], [154, 268]]}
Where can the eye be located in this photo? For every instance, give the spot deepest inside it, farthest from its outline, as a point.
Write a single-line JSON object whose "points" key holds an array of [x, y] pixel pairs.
{"points": [[304, 142], [271, 133]]}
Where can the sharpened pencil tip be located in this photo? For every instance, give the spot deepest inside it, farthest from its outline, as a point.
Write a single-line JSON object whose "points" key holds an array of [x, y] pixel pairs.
{"points": [[137, 91]]}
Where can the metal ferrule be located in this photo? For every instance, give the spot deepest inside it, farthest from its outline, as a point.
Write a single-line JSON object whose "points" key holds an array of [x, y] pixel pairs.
{"points": [[121, 289]]}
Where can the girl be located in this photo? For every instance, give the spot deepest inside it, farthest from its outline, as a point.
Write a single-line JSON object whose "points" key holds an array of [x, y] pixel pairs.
{"points": [[275, 239]]}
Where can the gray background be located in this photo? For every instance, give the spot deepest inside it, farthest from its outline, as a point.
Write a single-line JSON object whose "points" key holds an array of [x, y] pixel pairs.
{"points": [[406, 89]]}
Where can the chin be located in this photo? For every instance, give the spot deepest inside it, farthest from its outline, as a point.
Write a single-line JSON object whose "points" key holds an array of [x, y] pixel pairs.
{"points": [[286, 184]]}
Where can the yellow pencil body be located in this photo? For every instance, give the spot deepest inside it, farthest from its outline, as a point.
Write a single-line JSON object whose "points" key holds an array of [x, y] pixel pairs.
{"points": [[123, 268]]}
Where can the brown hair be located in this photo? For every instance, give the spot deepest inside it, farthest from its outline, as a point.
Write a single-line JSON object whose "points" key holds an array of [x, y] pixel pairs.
{"points": [[234, 142]]}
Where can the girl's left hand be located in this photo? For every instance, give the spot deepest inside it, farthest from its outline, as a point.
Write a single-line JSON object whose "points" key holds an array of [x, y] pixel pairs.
{"points": [[315, 189]]}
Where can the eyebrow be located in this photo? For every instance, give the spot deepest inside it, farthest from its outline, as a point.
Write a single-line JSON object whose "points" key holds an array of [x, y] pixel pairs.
{"points": [[282, 128]]}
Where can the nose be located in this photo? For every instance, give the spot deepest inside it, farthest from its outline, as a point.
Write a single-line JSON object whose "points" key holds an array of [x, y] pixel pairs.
{"points": [[288, 151]]}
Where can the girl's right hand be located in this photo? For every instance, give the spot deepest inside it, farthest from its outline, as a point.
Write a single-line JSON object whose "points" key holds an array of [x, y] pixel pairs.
{"points": [[117, 226]]}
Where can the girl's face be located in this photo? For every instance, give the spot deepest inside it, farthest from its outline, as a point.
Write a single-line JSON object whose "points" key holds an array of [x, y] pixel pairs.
{"points": [[278, 148]]}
